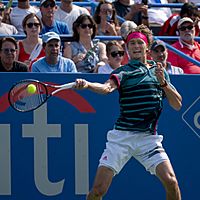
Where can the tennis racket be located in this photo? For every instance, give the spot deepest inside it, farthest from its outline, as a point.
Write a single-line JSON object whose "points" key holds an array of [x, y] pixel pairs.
{"points": [[24, 100]]}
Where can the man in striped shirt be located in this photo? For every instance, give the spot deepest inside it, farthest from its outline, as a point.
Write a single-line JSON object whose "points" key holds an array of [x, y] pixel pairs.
{"points": [[142, 85]]}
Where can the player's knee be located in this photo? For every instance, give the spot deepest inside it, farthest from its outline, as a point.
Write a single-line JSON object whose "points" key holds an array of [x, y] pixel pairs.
{"points": [[171, 182]]}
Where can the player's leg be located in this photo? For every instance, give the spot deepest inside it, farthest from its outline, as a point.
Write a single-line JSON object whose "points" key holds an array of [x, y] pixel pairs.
{"points": [[154, 158], [101, 184], [165, 173], [112, 160]]}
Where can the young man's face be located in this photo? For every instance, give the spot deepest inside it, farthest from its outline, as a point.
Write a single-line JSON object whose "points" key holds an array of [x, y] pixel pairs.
{"points": [[48, 9], [137, 49]]}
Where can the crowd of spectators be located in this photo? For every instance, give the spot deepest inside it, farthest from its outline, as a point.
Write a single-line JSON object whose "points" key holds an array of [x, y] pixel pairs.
{"points": [[82, 51]]}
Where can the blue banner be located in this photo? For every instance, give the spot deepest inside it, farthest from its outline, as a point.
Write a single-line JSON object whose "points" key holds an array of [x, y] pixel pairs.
{"points": [[52, 153]]}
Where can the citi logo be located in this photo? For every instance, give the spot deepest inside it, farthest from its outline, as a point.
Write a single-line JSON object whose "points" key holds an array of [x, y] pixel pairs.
{"points": [[192, 117]]}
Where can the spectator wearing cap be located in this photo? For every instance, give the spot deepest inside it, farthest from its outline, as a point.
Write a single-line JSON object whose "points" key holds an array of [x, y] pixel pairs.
{"points": [[190, 10], [159, 53], [50, 24], [19, 12], [53, 61], [187, 45], [8, 53]]}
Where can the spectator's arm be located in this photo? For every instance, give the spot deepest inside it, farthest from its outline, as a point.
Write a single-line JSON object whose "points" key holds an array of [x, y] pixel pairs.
{"points": [[67, 52], [102, 52]]}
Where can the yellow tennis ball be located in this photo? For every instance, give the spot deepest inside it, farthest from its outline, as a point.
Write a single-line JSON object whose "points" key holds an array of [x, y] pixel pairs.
{"points": [[31, 88]]}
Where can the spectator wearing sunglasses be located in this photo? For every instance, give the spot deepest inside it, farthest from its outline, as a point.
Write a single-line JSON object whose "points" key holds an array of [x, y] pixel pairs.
{"points": [[50, 24], [187, 45], [106, 19], [8, 54], [53, 61], [18, 13], [115, 53], [84, 50], [30, 48], [6, 29]]}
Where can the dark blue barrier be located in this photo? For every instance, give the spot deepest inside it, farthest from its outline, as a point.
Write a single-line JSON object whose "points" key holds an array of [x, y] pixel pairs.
{"points": [[52, 153]]}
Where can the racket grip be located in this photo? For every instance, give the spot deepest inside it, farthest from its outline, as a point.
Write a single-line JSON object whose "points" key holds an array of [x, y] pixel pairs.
{"points": [[69, 85]]}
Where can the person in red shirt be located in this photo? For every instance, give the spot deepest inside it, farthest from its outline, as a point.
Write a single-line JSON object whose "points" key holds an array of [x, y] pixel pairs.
{"points": [[30, 48], [187, 45], [190, 10]]}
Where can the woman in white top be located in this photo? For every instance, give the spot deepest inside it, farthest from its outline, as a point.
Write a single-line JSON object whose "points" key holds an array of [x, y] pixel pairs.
{"points": [[115, 53]]}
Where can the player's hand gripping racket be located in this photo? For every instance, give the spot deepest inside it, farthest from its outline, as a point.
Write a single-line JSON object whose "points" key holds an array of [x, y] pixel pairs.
{"points": [[28, 95]]}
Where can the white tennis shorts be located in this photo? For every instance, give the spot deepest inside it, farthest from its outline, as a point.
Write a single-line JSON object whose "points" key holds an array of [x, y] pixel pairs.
{"points": [[122, 145]]}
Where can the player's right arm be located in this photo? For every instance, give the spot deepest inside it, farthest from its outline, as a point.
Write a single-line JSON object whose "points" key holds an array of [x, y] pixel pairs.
{"points": [[105, 88]]}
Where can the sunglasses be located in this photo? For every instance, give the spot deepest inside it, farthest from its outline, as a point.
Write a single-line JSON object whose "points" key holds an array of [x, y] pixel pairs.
{"points": [[84, 26], [106, 11], [30, 25], [117, 53], [7, 50], [183, 28], [47, 4]]}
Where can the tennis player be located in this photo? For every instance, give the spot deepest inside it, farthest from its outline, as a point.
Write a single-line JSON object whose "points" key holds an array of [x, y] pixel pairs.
{"points": [[142, 85]]}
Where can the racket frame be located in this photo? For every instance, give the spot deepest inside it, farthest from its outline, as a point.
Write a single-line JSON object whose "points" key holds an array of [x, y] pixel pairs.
{"points": [[45, 85]]}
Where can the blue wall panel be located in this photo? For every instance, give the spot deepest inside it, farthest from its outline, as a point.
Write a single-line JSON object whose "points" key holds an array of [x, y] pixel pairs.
{"points": [[53, 152]]}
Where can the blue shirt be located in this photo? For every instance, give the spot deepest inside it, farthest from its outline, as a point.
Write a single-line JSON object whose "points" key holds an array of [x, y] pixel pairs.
{"points": [[57, 27], [63, 65]]}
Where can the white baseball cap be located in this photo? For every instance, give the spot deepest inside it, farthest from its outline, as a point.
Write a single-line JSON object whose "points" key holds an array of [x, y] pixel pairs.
{"points": [[183, 20], [50, 36]]}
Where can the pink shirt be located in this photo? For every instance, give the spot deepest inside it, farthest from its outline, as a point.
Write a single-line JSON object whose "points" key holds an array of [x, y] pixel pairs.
{"points": [[176, 60]]}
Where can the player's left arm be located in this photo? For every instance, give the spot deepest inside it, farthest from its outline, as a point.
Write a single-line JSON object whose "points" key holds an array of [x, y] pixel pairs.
{"points": [[172, 95]]}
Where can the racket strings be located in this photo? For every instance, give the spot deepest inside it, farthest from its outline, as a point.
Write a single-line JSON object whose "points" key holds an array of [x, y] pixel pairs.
{"points": [[23, 100]]}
